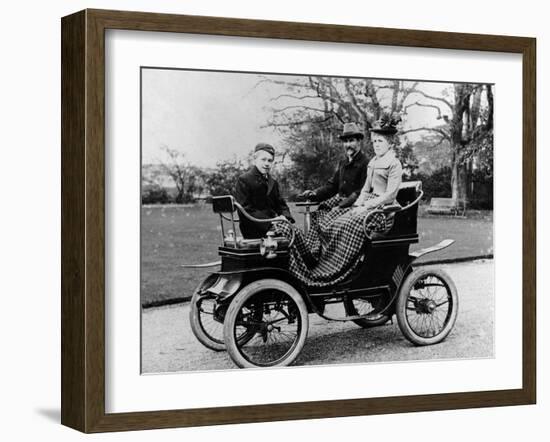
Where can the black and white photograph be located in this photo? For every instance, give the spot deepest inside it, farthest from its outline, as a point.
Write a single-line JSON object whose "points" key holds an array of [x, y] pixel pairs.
{"points": [[306, 220], [245, 221]]}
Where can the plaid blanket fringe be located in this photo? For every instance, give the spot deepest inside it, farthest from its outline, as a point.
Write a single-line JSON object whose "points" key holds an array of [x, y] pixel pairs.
{"points": [[330, 251]]}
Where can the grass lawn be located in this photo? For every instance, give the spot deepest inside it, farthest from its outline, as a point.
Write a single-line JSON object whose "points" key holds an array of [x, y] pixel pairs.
{"points": [[174, 235]]}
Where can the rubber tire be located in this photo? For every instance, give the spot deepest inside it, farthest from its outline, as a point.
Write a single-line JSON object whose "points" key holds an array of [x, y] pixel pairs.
{"points": [[401, 306], [197, 328], [351, 310], [241, 298]]}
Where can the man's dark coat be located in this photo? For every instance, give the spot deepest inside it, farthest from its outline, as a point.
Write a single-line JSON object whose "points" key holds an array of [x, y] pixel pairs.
{"points": [[347, 181], [261, 198]]}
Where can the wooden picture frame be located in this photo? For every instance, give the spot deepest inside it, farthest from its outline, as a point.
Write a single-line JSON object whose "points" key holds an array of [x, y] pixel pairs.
{"points": [[83, 220]]}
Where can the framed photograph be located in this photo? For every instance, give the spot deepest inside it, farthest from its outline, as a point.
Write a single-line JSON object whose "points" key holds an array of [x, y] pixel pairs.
{"points": [[267, 221]]}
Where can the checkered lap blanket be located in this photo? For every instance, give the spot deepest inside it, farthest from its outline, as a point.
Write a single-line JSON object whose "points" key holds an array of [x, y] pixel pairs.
{"points": [[331, 250]]}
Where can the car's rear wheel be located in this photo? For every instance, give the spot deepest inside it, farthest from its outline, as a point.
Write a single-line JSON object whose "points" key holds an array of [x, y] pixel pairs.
{"points": [[206, 317]]}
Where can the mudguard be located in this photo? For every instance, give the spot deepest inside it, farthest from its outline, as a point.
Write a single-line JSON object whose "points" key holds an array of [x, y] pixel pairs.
{"points": [[442, 245], [402, 271], [222, 285], [227, 284]]}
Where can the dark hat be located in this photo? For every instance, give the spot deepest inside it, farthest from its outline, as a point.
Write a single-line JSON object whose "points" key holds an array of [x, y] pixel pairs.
{"points": [[264, 146], [351, 131], [386, 125]]}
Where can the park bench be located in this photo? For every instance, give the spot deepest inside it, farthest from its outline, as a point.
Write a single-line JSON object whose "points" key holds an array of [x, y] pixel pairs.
{"points": [[446, 206]]}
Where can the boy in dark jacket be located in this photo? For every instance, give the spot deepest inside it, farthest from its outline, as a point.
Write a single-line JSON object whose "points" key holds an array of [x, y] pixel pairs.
{"points": [[258, 193]]}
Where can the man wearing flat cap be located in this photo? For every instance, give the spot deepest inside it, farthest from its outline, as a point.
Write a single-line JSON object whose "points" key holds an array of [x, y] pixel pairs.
{"points": [[258, 193], [350, 175]]}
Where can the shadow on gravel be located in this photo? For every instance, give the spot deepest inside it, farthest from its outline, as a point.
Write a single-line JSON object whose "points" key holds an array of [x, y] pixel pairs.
{"points": [[354, 344]]}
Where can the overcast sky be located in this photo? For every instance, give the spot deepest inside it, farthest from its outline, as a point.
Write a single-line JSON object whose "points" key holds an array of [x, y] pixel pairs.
{"points": [[210, 116]]}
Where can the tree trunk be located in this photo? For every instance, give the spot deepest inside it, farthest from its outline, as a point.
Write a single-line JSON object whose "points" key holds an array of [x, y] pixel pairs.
{"points": [[454, 174], [460, 175], [463, 182]]}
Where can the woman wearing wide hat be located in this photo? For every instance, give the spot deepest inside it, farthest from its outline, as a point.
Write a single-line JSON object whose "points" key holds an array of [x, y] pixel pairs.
{"points": [[384, 172]]}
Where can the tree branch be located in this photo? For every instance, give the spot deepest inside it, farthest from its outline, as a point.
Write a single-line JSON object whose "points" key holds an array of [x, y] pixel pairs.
{"points": [[406, 91], [439, 142], [429, 129], [431, 97], [295, 106], [303, 97], [355, 105], [371, 93], [292, 123], [280, 82], [417, 103]]}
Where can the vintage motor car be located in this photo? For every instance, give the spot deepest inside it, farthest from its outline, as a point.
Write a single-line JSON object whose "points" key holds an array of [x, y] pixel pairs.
{"points": [[254, 308]]}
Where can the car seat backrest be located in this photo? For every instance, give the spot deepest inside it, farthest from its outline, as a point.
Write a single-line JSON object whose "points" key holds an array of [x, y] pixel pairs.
{"points": [[223, 204], [408, 192]]}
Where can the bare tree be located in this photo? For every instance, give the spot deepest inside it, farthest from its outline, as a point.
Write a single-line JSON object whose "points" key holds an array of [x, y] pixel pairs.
{"points": [[317, 100], [177, 171], [467, 126], [151, 176], [311, 114]]}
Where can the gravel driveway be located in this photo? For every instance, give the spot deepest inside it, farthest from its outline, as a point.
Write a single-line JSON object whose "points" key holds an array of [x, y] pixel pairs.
{"points": [[169, 345]]}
